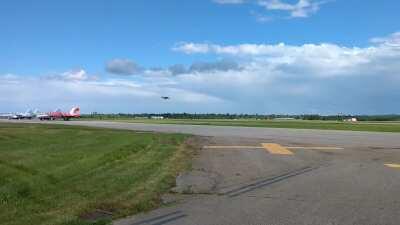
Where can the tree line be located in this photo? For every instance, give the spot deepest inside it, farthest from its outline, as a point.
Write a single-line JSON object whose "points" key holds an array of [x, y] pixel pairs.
{"points": [[391, 117]]}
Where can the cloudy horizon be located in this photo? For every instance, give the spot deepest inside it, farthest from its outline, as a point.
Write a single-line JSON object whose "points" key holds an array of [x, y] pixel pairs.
{"points": [[209, 75]]}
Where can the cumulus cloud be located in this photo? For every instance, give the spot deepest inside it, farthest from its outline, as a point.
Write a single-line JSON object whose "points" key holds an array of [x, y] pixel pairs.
{"points": [[392, 40], [122, 67], [257, 78], [107, 95], [72, 75], [303, 8], [314, 77], [299, 9], [319, 59], [192, 48]]}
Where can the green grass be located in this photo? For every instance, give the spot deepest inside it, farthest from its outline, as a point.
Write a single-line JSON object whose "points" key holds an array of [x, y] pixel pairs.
{"points": [[51, 174], [296, 124]]}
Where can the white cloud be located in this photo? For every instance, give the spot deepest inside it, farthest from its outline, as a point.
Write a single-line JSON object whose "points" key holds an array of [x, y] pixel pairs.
{"points": [[392, 40], [72, 75], [321, 59], [309, 78], [107, 95], [325, 77], [280, 50], [191, 48], [75, 75], [303, 8], [300, 9]]}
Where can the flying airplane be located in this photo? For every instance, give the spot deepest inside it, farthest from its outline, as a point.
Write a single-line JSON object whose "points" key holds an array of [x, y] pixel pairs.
{"points": [[165, 97], [58, 114]]}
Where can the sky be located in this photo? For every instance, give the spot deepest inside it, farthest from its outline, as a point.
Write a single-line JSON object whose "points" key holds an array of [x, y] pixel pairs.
{"points": [[208, 56]]}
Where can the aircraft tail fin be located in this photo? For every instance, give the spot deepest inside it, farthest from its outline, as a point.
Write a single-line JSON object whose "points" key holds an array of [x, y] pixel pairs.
{"points": [[75, 111]]}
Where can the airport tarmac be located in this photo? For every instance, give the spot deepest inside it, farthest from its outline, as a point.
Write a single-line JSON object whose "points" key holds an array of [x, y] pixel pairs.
{"points": [[355, 139], [279, 176]]}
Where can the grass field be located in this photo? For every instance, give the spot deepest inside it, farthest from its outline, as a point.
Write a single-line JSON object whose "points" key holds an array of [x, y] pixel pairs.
{"points": [[297, 124], [68, 175]]}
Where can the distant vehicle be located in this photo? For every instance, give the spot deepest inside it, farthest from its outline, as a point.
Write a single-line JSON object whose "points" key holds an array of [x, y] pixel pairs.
{"points": [[351, 120], [157, 117], [29, 114], [165, 97], [58, 114]]}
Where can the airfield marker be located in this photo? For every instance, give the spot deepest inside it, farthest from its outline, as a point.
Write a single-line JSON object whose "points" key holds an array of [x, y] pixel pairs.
{"points": [[276, 149], [314, 148], [391, 165], [272, 148]]}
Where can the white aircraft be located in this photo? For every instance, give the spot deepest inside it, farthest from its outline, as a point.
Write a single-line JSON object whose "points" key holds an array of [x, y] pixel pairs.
{"points": [[29, 114], [6, 115]]}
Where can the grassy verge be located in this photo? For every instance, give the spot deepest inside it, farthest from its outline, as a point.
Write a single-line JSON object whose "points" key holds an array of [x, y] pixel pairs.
{"points": [[68, 175], [296, 124]]}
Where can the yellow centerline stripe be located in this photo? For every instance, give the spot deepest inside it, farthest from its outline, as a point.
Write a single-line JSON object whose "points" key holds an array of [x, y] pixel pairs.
{"points": [[316, 148], [259, 147], [276, 149], [392, 165]]}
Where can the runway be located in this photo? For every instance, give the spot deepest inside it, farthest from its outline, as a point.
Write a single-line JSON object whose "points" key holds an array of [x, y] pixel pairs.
{"points": [[278, 176], [355, 139]]}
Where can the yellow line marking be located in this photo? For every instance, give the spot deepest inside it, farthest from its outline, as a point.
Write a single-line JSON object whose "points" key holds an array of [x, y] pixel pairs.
{"points": [[276, 149], [259, 147], [391, 165], [316, 148]]}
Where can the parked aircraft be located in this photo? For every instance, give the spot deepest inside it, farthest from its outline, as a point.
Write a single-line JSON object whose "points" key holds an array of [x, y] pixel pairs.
{"points": [[58, 114], [6, 115], [29, 114]]}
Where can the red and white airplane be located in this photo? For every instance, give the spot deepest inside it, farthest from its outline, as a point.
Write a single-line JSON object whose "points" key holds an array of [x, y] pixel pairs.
{"points": [[58, 114]]}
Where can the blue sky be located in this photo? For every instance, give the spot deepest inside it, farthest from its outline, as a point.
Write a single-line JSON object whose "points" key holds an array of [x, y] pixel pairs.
{"points": [[238, 56]]}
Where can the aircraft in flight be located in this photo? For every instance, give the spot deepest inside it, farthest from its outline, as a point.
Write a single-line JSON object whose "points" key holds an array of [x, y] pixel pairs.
{"points": [[165, 97], [58, 114]]}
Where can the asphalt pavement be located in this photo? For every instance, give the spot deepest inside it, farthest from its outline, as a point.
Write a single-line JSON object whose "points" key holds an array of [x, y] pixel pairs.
{"points": [[325, 137]]}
